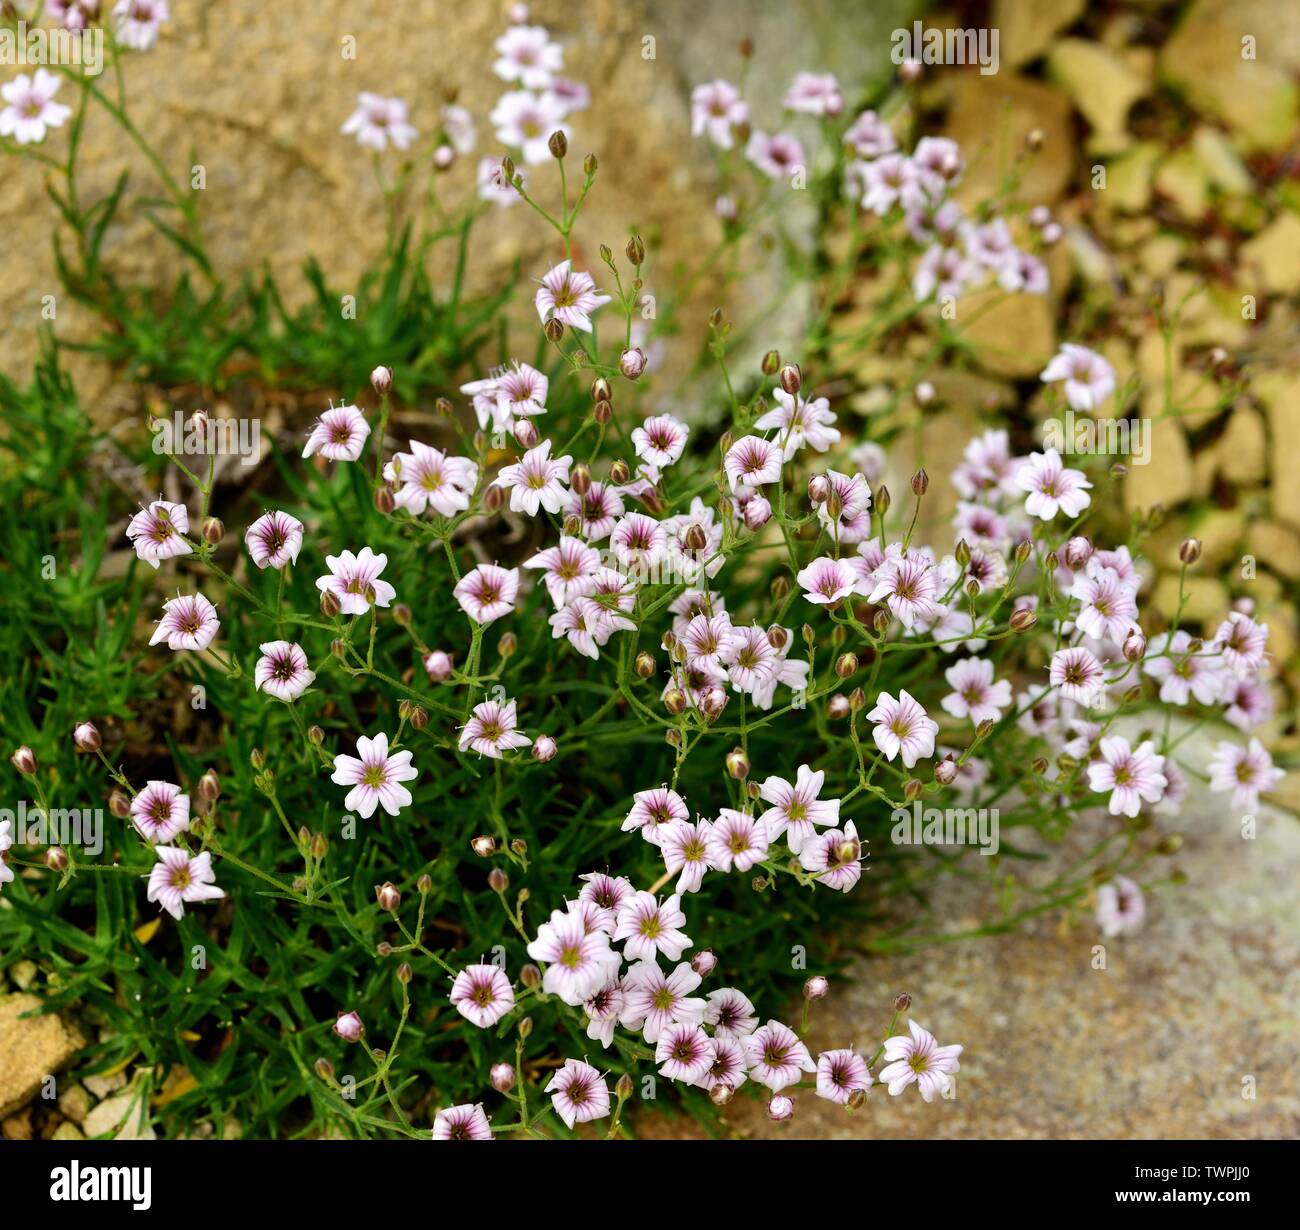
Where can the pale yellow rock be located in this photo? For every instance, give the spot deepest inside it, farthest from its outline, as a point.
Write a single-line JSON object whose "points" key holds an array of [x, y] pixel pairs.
{"points": [[1206, 599], [1273, 256], [1220, 531], [1026, 30], [1221, 161], [1204, 61], [1182, 179], [1167, 478], [1275, 547], [1162, 254], [74, 1103], [1102, 83], [124, 1116], [1013, 336], [32, 1048], [1243, 448], [990, 118], [67, 1131], [22, 974], [1280, 393]]}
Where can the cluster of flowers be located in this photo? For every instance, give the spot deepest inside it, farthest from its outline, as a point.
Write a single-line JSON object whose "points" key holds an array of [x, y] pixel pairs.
{"points": [[30, 110], [958, 251], [526, 119]]}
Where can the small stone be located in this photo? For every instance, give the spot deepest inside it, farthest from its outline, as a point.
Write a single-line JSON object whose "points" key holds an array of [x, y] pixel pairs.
{"points": [[125, 1116], [1026, 318], [1025, 31], [1206, 598], [67, 1131], [1167, 479], [74, 1103], [1220, 532], [1273, 255], [1102, 83], [19, 1126], [1129, 175], [101, 1086], [1280, 393], [1221, 161], [1275, 547], [1182, 179], [1243, 448], [22, 974]]}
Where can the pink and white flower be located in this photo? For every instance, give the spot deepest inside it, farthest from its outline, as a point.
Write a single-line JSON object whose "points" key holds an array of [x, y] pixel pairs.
{"points": [[752, 461], [716, 110], [526, 122], [508, 393], [178, 879], [685, 1053], [157, 532], [1088, 378], [921, 1060], [654, 812], [274, 539], [798, 422], [6, 843], [349, 1026], [355, 581], [815, 94], [797, 809], [1078, 674], [608, 893], [834, 857], [869, 136], [826, 581], [603, 1009], [491, 730], [578, 1093], [840, 1074], [1183, 674], [487, 592], [728, 1066], [585, 624], [638, 542], [536, 481], [138, 22], [685, 848], [653, 1000], [1248, 704], [891, 180], [777, 156], [568, 569], [660, 440], [569, 296], [730, 1013], [428, 478], [339, 434], [1246, 771], [527, 55], [736, 841], [160, 812], [974, 693], [1243, 642], [465, 1122], [776, 1056], [1120, 907], [651, 927], [189, 621], [376, 776], [482, 994], [282, 671], [1051, 486], [578, 962], [1108, 607], [379, 122], [490, 183], [908, 584], [1130, 774], [597, 509], [754, 662], [902, 728]]}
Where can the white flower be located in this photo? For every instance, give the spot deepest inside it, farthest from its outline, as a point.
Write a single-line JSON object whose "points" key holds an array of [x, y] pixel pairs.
{"points": [[526, 54], [31, 108], [355, 581], [379, 121], [526, 121], [282, 670], [376, 777], [1052, 487], [339, 434], [536, 481], [178, 879], [1088, 378], [138, 22], [918, 1059]]}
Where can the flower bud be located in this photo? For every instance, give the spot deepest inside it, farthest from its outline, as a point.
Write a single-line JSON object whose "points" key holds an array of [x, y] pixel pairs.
{"points": [[388, 896], [507, 644], [119, 804], [856, 1100], [880, 620], [329, 604], [320, 846], [1170, 843], [721, 1094], [815, 987], [402, 614], [780, 1109], [778, 637], [632, 363], [1024, 549], [56, 859], [846, 665], [526, 433], [791, 378], [771, 363], [381, 380], [712, 703], [882, 501], [624, 1087], [600, 390], [404, 973], [924, 393], [704, 962], [210, 786], [498, 881], [913, 788], [558, 144], [484, 846], [530, 976], [554, 329], [644, 665], [780, 588], [1190, 551], [502, 1077], [675, 701], [737, 764], [945, 772], [212, 530], [324, 1069], [902, 1002], [24, 760], [1022, 620], [1135, 646], [909, 70], [493, 498], [383, 949], [838, 706], [580, 478], [920, 483], [757, 512], [635, 250], [349, 1027], [696, 538], [619, 473], [85, 737], [1078, 551], [819, 490], [589, 165], [543, 748], [424, 885]]}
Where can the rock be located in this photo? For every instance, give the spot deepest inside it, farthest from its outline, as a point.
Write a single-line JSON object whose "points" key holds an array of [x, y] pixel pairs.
{"points": [[74, 1103], [1206, 599], [1280, 393], [1014, 337], [68, 1131], [1221, 161], [1183, 179], [1027, 30], [124, 1116], [31, 1049], [1275, 547], [19, 1126], [1101, 83], [101, 1086], [22, 974], [1220, 531], [1203, 60], [1162, 254], [1273, 255], [996, 113], [1167, 479], [1243, 448]]}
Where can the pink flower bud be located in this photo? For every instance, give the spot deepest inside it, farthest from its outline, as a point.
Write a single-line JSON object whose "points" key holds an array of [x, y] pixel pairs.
{"points": [[438, 665], [349, 1027], [381, 380], [815, 987], [502, 1077], [632, 363], [780, 1109], [704, 962], [543, 748], [86, 738], [757, 512]]}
